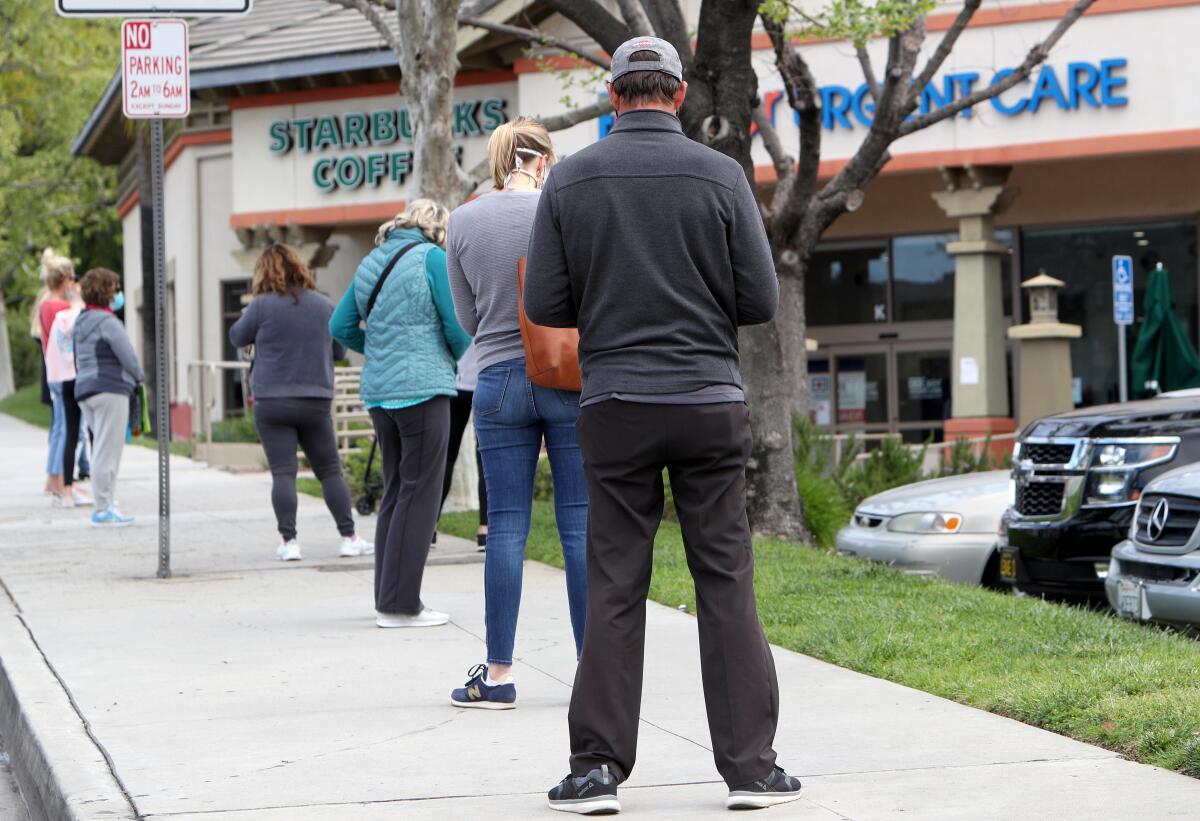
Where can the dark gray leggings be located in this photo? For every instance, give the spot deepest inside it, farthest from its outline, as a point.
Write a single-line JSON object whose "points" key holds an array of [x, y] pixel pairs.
{"points": [[282, 425]]}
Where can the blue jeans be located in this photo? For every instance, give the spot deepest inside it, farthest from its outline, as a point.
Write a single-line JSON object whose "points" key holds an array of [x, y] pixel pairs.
{"points": [[512, 415], [58, 430]]}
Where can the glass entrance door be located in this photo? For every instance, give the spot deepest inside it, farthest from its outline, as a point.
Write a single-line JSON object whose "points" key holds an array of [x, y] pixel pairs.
{"points": [[884, 388]]}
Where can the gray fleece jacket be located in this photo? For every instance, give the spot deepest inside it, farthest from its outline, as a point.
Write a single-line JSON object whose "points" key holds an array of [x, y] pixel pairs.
{"points": [[105, 361], [653, 246]]}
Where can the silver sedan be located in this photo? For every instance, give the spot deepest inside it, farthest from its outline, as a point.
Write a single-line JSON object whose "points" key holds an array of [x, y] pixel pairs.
{"points": [[1155, 574], [942, 527]]}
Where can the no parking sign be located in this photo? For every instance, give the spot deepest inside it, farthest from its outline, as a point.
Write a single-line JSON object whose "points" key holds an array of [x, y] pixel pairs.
{"points": [[154, 69]]}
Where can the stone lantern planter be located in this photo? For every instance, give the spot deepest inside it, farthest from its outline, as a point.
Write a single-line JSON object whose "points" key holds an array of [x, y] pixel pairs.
{"points": [[1044, 383]]}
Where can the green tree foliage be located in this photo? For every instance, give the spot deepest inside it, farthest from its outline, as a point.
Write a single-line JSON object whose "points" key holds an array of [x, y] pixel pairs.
{"points": [[52, 70], [855, 20]]}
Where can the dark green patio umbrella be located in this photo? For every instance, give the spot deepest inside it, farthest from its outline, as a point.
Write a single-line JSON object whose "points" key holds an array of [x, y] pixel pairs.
{"points": [[1164, 359]]}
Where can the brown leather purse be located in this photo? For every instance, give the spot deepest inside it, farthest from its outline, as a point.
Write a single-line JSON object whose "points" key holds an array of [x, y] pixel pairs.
{"points": [[551, 354]]}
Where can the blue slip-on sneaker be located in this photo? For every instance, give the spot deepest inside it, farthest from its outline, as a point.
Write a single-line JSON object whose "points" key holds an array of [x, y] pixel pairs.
{"points": [[777, 788], [591, 794], [477, 693], [110, 518]]}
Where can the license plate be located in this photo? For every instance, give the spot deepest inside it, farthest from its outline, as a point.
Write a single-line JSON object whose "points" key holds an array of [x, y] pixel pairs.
{"points": [[1008, 564], [1131, 600]]}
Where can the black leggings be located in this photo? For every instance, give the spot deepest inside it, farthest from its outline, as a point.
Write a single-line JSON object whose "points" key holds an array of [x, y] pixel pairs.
{"points": [[74, 415], [282, 425], [460, 415]]}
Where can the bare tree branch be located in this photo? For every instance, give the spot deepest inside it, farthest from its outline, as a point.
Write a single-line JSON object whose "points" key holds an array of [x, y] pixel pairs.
{"points": [[949, 40], [635, 18], [558, 122], [792, 197], [595, 20], [1036, 56], [864, 60], [671, 25], [375, 16], [785, 165], [536, 37]]}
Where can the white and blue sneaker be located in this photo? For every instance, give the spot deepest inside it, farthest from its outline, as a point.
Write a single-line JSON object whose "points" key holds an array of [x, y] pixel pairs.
{"points": [[479, 694], [110, 518]]}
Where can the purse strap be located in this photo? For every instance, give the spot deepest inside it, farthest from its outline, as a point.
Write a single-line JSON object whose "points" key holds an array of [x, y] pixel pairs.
{"points": [[386, 273]]}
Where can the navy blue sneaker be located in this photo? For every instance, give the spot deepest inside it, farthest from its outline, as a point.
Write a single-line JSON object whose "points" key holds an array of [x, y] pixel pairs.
{"points": [[776, 788], [477, 693], [591, 794]]}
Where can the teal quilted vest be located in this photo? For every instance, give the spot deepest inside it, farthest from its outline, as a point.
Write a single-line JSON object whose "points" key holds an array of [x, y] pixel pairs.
{"points": [[406, 353]]}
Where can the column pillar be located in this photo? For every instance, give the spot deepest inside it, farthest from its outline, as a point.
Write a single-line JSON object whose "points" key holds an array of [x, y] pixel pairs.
{"points": [[974, 195]]}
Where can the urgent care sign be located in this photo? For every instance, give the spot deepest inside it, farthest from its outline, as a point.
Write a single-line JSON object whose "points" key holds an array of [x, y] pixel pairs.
{"points": [[154, 69]]}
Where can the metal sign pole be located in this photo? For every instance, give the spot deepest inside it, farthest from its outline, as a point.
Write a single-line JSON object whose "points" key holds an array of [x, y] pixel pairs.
{"points": [[163, 372], [1123, 385]]}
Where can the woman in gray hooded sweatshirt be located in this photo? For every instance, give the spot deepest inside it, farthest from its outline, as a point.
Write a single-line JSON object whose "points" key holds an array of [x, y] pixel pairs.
{"points": [[106, 372]]}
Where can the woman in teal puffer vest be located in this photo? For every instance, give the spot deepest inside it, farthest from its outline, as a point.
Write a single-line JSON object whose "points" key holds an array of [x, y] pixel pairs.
{"points": [[398, 313]]}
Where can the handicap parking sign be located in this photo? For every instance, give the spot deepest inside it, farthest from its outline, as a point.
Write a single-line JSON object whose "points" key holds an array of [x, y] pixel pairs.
{"points": [[1122, 283]]}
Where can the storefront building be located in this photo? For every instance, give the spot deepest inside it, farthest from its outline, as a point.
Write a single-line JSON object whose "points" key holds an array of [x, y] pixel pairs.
{"points": [[1098, 154]]}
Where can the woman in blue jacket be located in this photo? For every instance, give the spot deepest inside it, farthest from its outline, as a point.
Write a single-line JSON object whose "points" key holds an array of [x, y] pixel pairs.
{"points": [[398, 313]]}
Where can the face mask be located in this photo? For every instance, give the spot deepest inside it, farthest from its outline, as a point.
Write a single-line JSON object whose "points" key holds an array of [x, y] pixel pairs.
{"points": [[118, 302]]}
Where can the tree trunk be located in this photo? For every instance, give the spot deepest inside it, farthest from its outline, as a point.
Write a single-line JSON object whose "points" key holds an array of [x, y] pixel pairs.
{"points": [[722, 85], [7, 384], [429, 91], [149, 317], [773, 367]]}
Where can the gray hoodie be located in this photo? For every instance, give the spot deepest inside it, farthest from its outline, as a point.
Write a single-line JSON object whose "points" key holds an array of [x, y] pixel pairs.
{"points": [[105, 361]]}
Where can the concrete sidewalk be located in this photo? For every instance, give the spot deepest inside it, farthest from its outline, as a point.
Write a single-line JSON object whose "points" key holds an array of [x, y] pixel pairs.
{"points": [[246, 689]]}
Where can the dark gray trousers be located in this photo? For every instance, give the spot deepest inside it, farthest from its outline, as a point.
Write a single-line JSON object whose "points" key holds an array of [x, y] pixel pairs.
{"points": [[413, 443], [284, 423], [704, 449]]}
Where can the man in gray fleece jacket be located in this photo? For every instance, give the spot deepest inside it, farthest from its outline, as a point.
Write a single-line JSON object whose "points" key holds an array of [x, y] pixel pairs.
{"points": [[652, 245]]}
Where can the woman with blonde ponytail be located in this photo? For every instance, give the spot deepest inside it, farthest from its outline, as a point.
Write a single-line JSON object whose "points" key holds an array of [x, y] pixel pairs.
{"points": [[58, 275], [485, 239]]}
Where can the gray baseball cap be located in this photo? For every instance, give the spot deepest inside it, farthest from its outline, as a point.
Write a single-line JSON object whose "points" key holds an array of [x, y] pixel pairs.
{"points": [[668, 58]]}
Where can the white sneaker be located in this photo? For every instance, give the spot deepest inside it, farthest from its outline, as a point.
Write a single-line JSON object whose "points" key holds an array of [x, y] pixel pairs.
{"points": [[426, 618], [81, 498], [355, 547], [288, 551], [62, 501]]}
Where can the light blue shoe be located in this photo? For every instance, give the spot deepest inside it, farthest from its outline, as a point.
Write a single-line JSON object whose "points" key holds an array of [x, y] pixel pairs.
{"points": [[110, 518]]}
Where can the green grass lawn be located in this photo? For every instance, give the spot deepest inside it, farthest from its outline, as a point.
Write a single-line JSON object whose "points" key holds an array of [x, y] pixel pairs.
{"points": [[1131, 688], [26, 405]]}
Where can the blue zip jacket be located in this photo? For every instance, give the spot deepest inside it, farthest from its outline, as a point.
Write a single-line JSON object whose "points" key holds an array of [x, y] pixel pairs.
{"points": [[412, 339]]}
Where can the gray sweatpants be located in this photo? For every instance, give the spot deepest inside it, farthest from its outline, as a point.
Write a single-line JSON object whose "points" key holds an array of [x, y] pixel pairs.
{"points": [[107, 415]]}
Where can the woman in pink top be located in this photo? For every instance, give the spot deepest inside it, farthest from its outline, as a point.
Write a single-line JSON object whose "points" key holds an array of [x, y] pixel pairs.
{"points": [[60, 370], [58, 272]]}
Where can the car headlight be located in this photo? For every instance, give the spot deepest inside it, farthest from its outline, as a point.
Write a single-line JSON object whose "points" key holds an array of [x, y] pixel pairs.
{"points": [[932, 522], [1110, 488], [1127, 455]]}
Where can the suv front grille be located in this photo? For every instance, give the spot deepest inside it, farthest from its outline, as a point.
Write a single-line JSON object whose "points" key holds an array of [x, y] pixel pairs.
{"points": [[1183, 514], [1046, 453], [1040, 498], [1147, 571]]}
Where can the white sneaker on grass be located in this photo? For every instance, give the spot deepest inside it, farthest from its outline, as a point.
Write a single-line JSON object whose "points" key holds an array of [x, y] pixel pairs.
{"points": [[288, 551], [357, 546], [426, 618]]}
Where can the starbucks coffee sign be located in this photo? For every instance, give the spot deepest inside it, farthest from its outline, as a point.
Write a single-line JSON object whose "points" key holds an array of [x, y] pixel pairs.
{"points": [[365, 149]]}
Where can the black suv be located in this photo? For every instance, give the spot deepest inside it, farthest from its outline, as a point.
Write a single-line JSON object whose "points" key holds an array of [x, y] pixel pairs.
{"points": [[1077, 477]]}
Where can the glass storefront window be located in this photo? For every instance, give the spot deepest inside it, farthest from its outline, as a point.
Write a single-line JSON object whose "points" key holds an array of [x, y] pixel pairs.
{"points": [[862, 396], [1081, 256], [846, 285], [923, 277], [923, 385]]}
